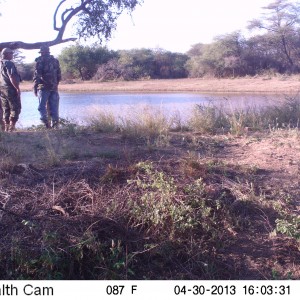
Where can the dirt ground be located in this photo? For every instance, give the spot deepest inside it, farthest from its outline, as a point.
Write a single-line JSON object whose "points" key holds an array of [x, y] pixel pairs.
{"points": [[258, 252], [278, 160]]}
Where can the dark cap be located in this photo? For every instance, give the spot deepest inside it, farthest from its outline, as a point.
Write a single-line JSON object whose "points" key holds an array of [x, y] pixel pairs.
{"points": [[6, 51], [44, 49]]}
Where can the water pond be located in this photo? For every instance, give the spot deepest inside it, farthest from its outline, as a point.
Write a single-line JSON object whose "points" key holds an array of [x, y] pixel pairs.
{"points": [[80, 106]]}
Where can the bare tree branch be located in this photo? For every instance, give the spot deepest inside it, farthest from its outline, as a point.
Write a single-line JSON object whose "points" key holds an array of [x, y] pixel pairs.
{"points": [[55, 15], [101, 20], [31, 46], [67, 15]]}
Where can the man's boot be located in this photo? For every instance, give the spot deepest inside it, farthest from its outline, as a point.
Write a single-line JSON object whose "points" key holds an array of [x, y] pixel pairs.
{"points": [[46, 123], [54, 124]]}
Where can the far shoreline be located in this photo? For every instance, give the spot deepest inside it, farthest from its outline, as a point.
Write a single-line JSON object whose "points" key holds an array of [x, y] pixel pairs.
{"points": [[260, 85]]}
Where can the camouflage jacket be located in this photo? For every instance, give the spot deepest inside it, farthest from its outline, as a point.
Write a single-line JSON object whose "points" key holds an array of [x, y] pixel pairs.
{"points": [[47, 74], [8, 69]]}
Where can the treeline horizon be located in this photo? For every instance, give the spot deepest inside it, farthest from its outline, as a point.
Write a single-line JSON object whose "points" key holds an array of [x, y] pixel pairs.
{"points": [[274, 49]]}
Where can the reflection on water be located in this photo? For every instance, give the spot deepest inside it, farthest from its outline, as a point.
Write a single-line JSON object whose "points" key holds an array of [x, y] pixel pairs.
{"points": [[79, 106]]}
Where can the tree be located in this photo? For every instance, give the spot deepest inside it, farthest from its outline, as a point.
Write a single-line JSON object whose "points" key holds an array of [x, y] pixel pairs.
{"points": [[169, 65], [281, 24], [261, 55], [112, 70], [223, 57], [194, 63], [143, 64], [78, 61], [136, 63], [95, 18]]}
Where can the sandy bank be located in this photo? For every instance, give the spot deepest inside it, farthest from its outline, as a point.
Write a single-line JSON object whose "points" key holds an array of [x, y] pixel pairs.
{"points": [[277, 84]]}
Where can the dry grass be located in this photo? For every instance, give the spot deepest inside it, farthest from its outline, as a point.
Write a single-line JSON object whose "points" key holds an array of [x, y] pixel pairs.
{"points": [[101, 202], [93, 205], [275, 84]]}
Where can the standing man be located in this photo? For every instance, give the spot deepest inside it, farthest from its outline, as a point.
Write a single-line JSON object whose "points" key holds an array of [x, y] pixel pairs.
{"points": [[2, 123], [47, 76], [10, 91]]}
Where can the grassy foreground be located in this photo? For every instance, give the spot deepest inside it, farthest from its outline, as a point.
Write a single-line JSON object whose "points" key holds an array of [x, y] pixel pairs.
{"points": [[215, 197]]}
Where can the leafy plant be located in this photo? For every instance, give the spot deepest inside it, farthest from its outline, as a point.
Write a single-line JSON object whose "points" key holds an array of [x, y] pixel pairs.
{"points": [[289, 226]]}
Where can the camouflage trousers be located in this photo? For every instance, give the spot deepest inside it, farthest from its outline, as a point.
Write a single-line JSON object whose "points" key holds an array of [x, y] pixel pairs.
{"points": [[11, 105], [2, 124]]}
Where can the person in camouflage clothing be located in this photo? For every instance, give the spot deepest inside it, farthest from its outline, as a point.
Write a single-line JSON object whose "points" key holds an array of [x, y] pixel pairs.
{"points": [[47, 76], [2, 123], [10, 91]]}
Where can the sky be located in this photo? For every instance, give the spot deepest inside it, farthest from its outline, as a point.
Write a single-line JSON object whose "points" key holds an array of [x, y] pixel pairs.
{"points": [[173, 25]]}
